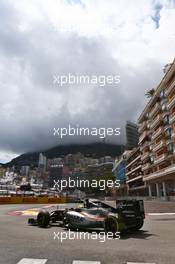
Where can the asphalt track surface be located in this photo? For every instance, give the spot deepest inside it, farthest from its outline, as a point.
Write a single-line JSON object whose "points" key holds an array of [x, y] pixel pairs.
{"points": [[24, 244]]}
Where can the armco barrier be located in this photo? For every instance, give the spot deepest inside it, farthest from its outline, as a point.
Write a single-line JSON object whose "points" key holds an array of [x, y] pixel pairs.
{"points": [[31, 200], [56, 200], [5, 200]]}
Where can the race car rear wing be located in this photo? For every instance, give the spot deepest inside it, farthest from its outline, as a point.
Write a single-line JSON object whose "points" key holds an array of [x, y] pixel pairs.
{"points": [[132, 205], [121, 205]]}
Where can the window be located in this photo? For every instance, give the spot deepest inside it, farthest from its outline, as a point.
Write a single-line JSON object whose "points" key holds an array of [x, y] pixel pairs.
{"points": [[149, 136], [162, 94], [148, 125], [164, 107], [148, 115], [152, 159], [150, 147], [170, 148], [166, 120], [168, 133]]}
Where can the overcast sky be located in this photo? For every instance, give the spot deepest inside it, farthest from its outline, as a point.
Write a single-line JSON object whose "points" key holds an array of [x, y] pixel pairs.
{"points": [[43, 38]]}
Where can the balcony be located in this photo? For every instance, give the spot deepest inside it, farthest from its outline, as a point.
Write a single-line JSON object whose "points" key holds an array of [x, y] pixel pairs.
{"points": [[157, 133], [135, 179], [159, 145], [172, 118], [171, 102], [133, 161], [160, 158], [146, 166], [170, 139], [145, 145], [133, 170], [142, 126], [143, 135], [156, 121], [170, 88], [145, 155], [155, 109], [159, 174]]}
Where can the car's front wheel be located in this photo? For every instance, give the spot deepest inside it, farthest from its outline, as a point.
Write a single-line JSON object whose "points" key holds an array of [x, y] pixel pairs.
{"points": [[43, 219]]}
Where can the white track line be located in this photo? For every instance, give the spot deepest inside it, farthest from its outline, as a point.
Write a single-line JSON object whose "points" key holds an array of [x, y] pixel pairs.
{"points": [[32, 261], [139, 263], [85, 262], [159, 214]]}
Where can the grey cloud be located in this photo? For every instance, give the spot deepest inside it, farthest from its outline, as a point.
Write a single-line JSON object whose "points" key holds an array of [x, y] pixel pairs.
{"points": [[30, 106]]}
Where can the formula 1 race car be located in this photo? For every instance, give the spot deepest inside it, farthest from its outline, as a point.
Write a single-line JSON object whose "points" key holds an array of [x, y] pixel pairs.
{"points": [[127, 215]]}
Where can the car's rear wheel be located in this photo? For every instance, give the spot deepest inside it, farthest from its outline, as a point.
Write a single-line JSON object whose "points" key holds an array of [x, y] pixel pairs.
{"points": [[43, 219], [111, 225], [138, 225]]}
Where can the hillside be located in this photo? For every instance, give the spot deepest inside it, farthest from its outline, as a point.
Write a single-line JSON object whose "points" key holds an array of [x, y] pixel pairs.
{"points": [[94, 149]]}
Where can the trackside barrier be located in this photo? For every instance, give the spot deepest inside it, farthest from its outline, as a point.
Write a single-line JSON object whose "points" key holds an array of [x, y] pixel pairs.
{"points": [[5, 200], [32, 200]]}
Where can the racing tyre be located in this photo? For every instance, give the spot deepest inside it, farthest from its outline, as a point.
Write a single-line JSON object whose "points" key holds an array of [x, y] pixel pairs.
{"points": [[138, 226], [43, 219], [111, 225]]}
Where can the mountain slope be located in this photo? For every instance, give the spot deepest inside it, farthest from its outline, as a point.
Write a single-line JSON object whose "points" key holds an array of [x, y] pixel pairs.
{"points": [[94, 149]]}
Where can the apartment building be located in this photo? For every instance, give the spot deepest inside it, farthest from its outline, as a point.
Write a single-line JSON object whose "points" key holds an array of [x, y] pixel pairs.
{"points": [[132, 135], [157, 138], [134, 174], [119, 171]]}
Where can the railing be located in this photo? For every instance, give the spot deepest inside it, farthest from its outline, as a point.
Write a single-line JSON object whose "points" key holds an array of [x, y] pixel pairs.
{"points": [[172, 117], [142, 137], [159, 145], [159, 158], [169, 89], [133, 161], [146, 166], [156, 120], [131, 171], [157, 133], [141, 127], [171, 102], [145, 155], [156, 107]]}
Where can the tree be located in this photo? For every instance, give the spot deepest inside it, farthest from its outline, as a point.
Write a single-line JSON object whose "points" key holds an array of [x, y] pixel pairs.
{"points": [[150, 93]]}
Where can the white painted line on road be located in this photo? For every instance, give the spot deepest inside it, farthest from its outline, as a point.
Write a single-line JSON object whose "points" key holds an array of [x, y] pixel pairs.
{"points": [[32, 261], [85, 262], [139, 263], [159, 214]]}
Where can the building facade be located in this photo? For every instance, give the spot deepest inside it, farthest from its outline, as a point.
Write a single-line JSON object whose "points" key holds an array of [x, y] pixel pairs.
{"points": [[42, 162], [134, 174], [132, 135], [120, 174], [119, 171], [55, 175], [157, 138]]}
